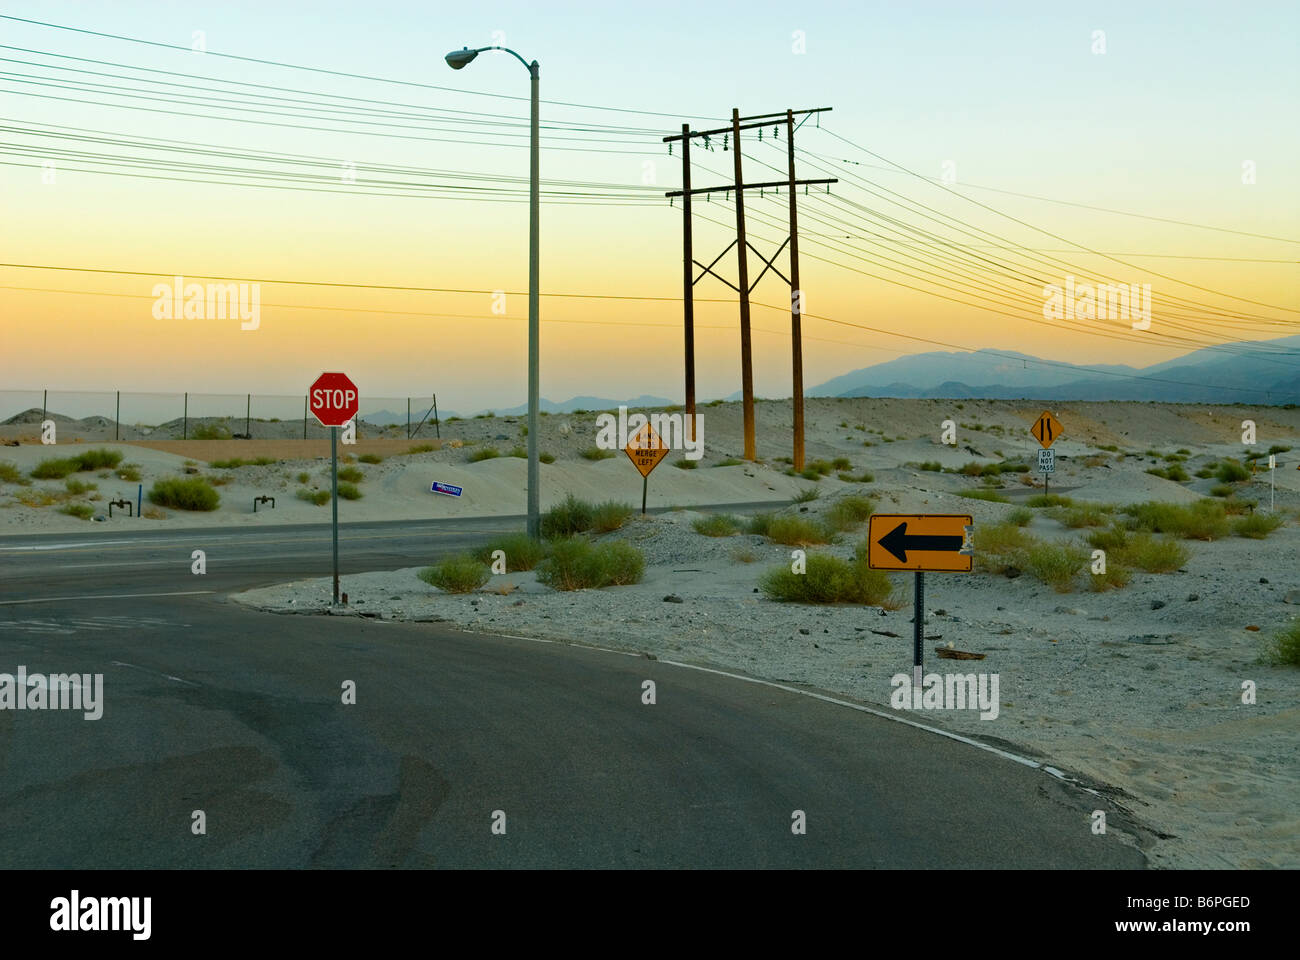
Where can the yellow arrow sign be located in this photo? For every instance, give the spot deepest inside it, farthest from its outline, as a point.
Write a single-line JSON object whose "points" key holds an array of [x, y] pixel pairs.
{"points": [[939, 542], [1046, 429], [646, 449]]}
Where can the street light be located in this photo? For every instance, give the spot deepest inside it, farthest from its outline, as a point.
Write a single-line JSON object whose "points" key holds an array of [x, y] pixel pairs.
{"points": [[457, 60]]}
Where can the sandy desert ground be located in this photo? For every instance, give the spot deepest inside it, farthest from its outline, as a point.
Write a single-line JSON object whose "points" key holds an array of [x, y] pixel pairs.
{"points": [[1135, 691]]}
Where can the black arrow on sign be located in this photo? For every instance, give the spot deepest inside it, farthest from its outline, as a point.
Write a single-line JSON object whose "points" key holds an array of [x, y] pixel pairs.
{"points": [[898, 542]]}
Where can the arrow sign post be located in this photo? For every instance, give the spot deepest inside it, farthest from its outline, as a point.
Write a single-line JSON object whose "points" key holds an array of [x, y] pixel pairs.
{"points": [[920, 542]]}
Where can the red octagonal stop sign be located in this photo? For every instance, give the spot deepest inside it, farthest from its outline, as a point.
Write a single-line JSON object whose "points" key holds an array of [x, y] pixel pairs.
{"points": [[333, 399]]}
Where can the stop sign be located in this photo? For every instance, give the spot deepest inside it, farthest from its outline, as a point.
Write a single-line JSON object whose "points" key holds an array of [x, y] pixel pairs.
{"points": [[333, 399]]}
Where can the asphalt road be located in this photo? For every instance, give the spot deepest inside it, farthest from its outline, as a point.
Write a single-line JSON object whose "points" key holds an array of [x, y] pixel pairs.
{"points": [[209, 706]]}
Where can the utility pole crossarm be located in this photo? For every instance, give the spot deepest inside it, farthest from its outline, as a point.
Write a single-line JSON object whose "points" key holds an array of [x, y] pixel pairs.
{"points": [[746, 124], [770, 184]]}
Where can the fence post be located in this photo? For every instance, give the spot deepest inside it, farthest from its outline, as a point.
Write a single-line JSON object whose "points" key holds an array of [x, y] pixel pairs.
{"points": [[45, 405], [435, 416], [117, 417], [185, 427], [408, 418], [248, 407], [304, 416]]}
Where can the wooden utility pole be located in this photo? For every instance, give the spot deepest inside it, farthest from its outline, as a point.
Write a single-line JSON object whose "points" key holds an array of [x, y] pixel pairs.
{"points": [[688, 281], [743, 287]]}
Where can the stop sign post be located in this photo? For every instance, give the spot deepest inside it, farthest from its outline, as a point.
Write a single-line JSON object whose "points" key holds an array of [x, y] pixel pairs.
{"points": [[333, 400]]}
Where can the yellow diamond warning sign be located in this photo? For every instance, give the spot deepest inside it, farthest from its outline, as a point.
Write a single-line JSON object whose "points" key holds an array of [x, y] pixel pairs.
{"points": [[646, 449], [1046, 429]]}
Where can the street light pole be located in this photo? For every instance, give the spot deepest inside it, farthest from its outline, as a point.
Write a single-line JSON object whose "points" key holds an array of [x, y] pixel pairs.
{"points": [[457, 59]]}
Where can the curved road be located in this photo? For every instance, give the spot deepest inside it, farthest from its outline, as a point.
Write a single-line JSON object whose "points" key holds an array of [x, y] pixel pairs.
{"points": [[212, 707]]}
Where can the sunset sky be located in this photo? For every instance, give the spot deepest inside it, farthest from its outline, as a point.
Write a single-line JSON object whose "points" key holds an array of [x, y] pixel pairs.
{"points": [[1006, 96]]}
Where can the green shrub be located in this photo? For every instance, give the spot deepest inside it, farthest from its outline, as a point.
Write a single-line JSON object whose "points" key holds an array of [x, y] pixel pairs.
{"points": [[370, 458], [610, 515], [350, 491], [318, 497], [1202, 520], [991, 495], [999, 546], [304, 477], [1232, 471], [54, 468], [596, 453], [97, 459], [351, 474], [1055, 564], [486, 453], [1205, 473], [729, 462], [579, 565], [458, 574], [1222, 490], [1256, 526], [522, 551], [863, 477], [1085, 515], [9, 474], [566, 518], [82, 511], [830, 580], [716, 525], [184, 493], [520, 453], [806, 495], [1049, 500], [841, 463], [808, 473], [129, 471], [1278, 448], [684, 464], [760, 523], [1021, 517], [1283, 648], [421, 448], [822, 468], [76, 487], [934, 466], [546, 458], [1116, 576], [212, 432], [794, 531], [1152, 554], [1113, 538], [847, 512]]}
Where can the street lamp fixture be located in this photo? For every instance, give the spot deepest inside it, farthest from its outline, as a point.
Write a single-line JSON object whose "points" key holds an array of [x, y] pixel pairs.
{"points": [[457, 60]]}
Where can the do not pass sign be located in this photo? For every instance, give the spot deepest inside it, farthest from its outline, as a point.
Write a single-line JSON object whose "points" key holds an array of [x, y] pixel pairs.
{"points": [[333, 399]]}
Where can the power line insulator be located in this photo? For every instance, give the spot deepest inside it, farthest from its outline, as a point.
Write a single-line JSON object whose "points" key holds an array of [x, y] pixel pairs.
{"points": [[724, 143]]}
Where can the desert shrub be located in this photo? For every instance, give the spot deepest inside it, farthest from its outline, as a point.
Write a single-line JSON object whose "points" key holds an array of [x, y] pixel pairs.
{"points": [[847, 512], [97, 459], [579, 565], [486, 453], [806, 495], [458, 574], [596, 453], [830, 580], [318, 497], [729, 462], [210, 432], [1232, 471], [522, 551], [841, 463], [1116, 576], [1173, 472], [684, 464], [54, 468], [1085, 515], [760, 523], [546, 458], [610, 515], [1222, 490], [1202, 520], [1205, 472], [822, 468], [1256, 526], [153, 513], [1236, 508], [991, 495], [1283, 648], [82, 511], [1049, 500], [808, 473], [1278, 448], [794, 531], [520, 453], [218, 481], [9, 474], [1021, 517], [999, 546], [566, 518], [351, 474], [303, 477], [76, 487], [422, 448], [1056, 564], [184, 493], [716, 525], [744, 554], [370, 458], [350, 491], [1152, 554], [934, 466], [1114, 537]]}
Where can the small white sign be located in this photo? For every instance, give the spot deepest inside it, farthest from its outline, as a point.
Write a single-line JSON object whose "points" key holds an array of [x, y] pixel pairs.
{"points": [[1272, 461], [1046, 461]]}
